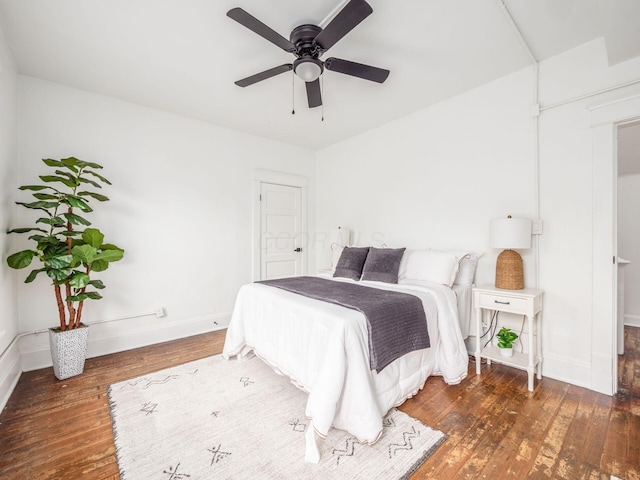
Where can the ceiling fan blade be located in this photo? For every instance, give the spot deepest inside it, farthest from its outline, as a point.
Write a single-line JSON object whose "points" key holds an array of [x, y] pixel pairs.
{"points": [[256, 26], [354, 69], [313, 93], [258, 77], [351, 15]]}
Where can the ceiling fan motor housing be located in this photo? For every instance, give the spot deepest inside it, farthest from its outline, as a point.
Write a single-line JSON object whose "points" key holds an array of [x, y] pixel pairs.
{"points": [[303, 37]]}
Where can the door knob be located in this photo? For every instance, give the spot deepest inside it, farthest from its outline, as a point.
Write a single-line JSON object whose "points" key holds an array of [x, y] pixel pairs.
{"points": [[298, 249]]}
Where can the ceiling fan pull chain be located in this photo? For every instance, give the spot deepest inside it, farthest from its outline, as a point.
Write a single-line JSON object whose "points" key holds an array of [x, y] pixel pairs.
{"points": [[322, 91], [293, 89]]}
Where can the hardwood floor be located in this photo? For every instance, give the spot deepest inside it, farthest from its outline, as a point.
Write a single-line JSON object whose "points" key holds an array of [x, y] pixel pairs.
{"points": [[54, 429]]}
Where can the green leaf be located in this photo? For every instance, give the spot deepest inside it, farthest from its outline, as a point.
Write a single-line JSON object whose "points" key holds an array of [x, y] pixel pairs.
{"points": [[71, 162], [73, 233], [93, 237], [97, 196], [77, 298], [68, 175], [110, 246], [99, 176], [76, 219], [45, 196], [58, 261], [97, 284], [59, 274], [78, 202], [90, 182], [39, 205], [80, 297], [54, 221], [110, 255], [54, 178], [35, 188], [80, 163], [79, 280], [99, 265], [21, 259], [86, 253], [53, 163], [34, 273], [51, 240], [25, 230]]}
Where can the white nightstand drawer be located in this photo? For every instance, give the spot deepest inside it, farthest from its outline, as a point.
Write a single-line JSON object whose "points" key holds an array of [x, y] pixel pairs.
{"points": [[502, 303]]}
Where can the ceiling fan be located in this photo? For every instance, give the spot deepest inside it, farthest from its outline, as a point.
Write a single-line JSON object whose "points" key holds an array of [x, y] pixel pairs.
{"points": [[308, 43]]}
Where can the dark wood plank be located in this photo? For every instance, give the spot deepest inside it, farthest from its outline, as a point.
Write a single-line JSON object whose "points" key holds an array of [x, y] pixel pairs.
{"points": [[496, 428]]}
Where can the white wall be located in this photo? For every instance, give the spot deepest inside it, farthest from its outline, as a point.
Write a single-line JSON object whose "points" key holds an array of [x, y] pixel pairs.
{"points": [[629, 243], [9, 364], [180, 207], [437, 177]]}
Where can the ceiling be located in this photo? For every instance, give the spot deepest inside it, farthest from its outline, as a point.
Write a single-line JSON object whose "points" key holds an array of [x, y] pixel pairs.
{"points": [[183, 56]]}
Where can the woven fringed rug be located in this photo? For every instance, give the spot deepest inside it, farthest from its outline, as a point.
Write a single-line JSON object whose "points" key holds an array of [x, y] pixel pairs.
{"points": [[221, 419]]}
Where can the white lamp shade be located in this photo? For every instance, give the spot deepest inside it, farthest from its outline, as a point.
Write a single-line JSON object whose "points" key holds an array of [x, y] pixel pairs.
{"points": [[308, 71], [510, 233]]}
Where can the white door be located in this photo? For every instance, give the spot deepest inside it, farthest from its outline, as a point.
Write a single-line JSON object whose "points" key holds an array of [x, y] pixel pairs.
{"points": [[280, 231]]}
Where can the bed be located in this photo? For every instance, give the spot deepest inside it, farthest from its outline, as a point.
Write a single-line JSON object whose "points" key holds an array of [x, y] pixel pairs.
{"points": [[323, 347]]}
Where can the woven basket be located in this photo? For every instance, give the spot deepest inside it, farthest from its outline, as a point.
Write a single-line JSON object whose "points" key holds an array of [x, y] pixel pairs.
{"points": [[509, 273]]}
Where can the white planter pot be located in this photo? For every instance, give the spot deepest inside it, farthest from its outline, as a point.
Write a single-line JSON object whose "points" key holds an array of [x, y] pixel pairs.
{"points": [[68, 351], [506, 352]]}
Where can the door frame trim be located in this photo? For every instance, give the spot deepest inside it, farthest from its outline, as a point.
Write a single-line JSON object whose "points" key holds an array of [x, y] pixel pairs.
{"points": [[605, 119], [276, 178]]}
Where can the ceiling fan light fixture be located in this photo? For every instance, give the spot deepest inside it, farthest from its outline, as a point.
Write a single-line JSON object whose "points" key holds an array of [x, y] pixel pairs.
{"points": [[308, 69]]}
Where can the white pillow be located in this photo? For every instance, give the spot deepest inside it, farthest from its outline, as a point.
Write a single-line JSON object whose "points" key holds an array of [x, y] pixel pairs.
{"points": [[430, 266], [468, 264]]}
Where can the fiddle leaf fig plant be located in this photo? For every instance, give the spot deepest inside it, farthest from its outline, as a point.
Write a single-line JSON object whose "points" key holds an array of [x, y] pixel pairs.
{"points": [[506, 337], [68, 250]]}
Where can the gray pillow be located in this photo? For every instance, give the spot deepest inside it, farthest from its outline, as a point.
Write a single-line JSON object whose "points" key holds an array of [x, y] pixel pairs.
{"points": [[382, 264], [351, 262]]}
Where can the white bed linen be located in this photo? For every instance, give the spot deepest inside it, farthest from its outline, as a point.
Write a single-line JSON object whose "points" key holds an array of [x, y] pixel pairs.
{"points": [[464, 294], [324, 349]]}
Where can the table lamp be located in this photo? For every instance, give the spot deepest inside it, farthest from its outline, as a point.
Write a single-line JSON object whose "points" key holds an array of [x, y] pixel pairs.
{"points": [[510, 233]]}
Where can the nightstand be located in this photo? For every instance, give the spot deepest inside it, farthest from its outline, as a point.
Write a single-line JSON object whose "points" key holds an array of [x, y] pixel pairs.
{"points": [[527, 302]]}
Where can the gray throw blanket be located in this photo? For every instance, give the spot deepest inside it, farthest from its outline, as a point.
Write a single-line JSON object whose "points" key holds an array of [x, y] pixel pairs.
{"points": [[396, 321]]}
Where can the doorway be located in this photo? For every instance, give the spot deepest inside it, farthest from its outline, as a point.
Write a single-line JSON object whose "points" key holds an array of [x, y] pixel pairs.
{"points": [[280, 231], [279, 238], [628, 247]]}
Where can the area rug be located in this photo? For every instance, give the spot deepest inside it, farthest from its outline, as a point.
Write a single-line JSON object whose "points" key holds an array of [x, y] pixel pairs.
{"points": [[221, 419]]}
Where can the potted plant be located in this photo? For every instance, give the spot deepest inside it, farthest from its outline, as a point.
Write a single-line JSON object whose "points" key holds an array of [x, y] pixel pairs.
{"points": [[69, 253], [506, 337]]}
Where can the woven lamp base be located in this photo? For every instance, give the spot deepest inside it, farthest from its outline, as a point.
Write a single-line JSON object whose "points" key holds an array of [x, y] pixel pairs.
{"points": [[509, 271]]}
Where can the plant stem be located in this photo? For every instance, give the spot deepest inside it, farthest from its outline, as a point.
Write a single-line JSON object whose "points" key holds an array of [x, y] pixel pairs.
{"points": [[61, 312], [72, 312]]}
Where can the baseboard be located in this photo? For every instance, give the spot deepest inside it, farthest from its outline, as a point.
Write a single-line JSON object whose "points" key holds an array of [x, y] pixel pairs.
{"points": [[567, 370], [10, 371], [631, 320], [107, 338]]}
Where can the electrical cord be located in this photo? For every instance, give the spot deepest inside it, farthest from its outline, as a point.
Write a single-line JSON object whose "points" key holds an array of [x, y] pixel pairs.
{"points": [[493, 324], [520, 336]]}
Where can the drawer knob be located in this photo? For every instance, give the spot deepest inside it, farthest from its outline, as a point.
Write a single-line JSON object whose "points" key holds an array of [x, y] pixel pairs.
{"points": [[503, 303]]}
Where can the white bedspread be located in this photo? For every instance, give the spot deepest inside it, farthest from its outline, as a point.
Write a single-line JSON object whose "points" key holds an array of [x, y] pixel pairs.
{"points": [[323, 348]]}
